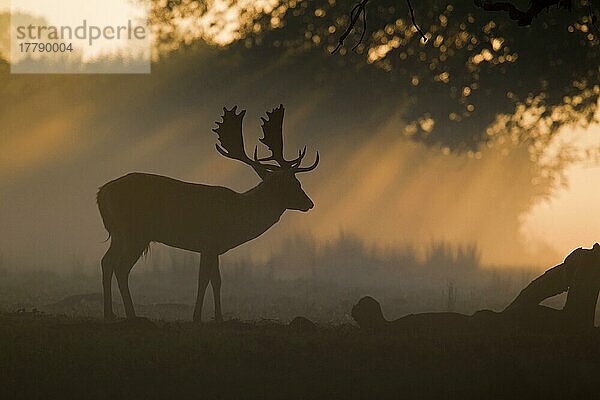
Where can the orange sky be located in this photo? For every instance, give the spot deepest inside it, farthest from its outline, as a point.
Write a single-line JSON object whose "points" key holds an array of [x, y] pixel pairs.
{"points": [[571, 218]]}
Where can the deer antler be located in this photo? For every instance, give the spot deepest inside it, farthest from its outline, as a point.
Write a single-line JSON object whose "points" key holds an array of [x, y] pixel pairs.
{"points": [[297, 168], [272, 128], [229, 131], [231, 139]]}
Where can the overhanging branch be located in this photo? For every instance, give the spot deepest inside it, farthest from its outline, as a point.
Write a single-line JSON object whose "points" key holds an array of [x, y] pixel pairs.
{"points": [[523, 18], [360, 11]]}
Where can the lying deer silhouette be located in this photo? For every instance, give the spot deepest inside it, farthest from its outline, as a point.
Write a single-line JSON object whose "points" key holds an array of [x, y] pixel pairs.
{"points": [[139, 208]]}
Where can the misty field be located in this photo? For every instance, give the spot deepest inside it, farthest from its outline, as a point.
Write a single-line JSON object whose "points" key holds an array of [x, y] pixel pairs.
{"points": [[47, 357], [53, 343], [320, 282]]}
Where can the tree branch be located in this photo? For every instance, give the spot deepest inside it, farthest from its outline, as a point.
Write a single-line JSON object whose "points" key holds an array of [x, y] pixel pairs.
{"points": [[358, 11], [523, 18], [414, 22]]}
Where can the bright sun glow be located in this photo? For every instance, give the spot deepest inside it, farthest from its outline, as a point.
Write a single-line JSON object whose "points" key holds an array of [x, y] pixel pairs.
{"points": [[571, 218]]}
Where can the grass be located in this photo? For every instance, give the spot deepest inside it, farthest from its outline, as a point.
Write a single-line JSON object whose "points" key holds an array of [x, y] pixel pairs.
{"points": [[53, 357]]}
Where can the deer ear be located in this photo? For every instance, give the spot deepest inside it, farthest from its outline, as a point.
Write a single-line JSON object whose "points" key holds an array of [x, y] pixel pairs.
{"points": [[596, 247]]}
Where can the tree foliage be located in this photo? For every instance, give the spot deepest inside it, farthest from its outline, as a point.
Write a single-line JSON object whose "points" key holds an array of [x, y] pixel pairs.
{"points": [[479, 77]]}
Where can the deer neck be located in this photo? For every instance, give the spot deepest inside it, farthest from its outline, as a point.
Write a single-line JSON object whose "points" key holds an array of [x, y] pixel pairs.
{"points": [[267, 206]]}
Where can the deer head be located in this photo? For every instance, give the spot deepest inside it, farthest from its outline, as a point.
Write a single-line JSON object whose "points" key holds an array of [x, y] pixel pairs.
{"points": [[278, 173]]}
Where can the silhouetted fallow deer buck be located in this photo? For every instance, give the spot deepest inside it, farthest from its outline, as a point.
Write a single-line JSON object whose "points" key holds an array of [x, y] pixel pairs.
{"points": [[138, 209]]}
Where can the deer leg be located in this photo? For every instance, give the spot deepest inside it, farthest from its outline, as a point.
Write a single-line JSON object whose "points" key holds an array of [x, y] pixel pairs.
{"points": [[215, 281], [123, 282], [107, 274], [127, 260], [203, 279]]}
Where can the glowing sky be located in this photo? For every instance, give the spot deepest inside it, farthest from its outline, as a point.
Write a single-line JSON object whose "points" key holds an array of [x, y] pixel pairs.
{"points": [[570, 218]]}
